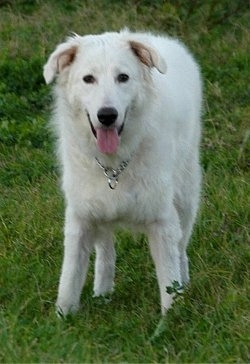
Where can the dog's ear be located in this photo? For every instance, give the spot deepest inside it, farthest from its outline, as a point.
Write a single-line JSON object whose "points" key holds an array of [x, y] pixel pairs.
{"points": [[62, 57], [148, 56]]}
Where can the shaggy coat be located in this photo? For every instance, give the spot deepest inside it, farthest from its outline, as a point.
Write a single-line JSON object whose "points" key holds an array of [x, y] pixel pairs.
{"points": [[127, 117]]}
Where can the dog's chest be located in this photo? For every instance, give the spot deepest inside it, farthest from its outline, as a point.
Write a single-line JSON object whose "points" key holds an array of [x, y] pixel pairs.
{"points": [[138, 198], [130, 204]]}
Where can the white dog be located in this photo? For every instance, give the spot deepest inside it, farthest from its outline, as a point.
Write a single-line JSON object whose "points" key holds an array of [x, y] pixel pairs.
{"points": [[127, 115]]}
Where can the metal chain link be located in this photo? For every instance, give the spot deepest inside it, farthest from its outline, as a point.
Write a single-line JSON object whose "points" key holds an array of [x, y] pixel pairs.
{"points": [[111, 173]]}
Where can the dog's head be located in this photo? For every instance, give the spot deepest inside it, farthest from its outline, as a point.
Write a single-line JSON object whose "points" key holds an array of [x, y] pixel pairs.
{"points": [[104, 77]]}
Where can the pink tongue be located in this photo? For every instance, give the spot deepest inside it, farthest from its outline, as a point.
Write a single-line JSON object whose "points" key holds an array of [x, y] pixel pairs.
{"points": [[107, 140]]}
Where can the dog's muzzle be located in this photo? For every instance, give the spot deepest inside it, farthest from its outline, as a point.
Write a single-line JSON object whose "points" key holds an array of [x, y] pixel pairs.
{"points": [[108, 134], [120, 129]]}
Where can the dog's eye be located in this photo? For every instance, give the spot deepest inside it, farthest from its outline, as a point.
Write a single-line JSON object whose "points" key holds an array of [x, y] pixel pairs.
{"points": [[89, 79], [122, 78]]}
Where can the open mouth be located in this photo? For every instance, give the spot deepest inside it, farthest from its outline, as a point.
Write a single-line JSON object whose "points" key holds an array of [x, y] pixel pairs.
{"points": [[108, 139]]}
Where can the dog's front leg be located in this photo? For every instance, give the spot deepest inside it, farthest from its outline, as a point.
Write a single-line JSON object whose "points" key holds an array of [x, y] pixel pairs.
{"points": [[163, 239], [77, 248], [104, 265]]}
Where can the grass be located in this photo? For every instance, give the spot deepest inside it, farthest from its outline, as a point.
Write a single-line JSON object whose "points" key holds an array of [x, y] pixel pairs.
{"points": [[210, 321]]}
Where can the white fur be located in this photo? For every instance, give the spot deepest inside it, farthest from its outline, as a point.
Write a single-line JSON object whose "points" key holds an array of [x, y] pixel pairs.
{"points": [[158, 192]]}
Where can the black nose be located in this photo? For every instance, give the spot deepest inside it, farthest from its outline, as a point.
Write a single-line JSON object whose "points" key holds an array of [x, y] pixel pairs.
{"points": [[107, 115]]}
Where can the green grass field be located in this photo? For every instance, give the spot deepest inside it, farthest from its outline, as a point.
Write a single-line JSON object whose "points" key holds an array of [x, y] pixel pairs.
{"points": [[210, 321]]}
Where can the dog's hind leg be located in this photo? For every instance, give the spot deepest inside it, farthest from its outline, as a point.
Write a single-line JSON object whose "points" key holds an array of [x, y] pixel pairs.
{"points": [[77, 248], [104, 265], [186, 216], [187, 205], [164, 237]]}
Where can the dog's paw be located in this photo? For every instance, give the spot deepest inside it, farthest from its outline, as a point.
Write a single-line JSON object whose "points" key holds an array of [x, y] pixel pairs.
{"points": [[103, 298], [60, 313], [63, 310], [104, 290]]}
